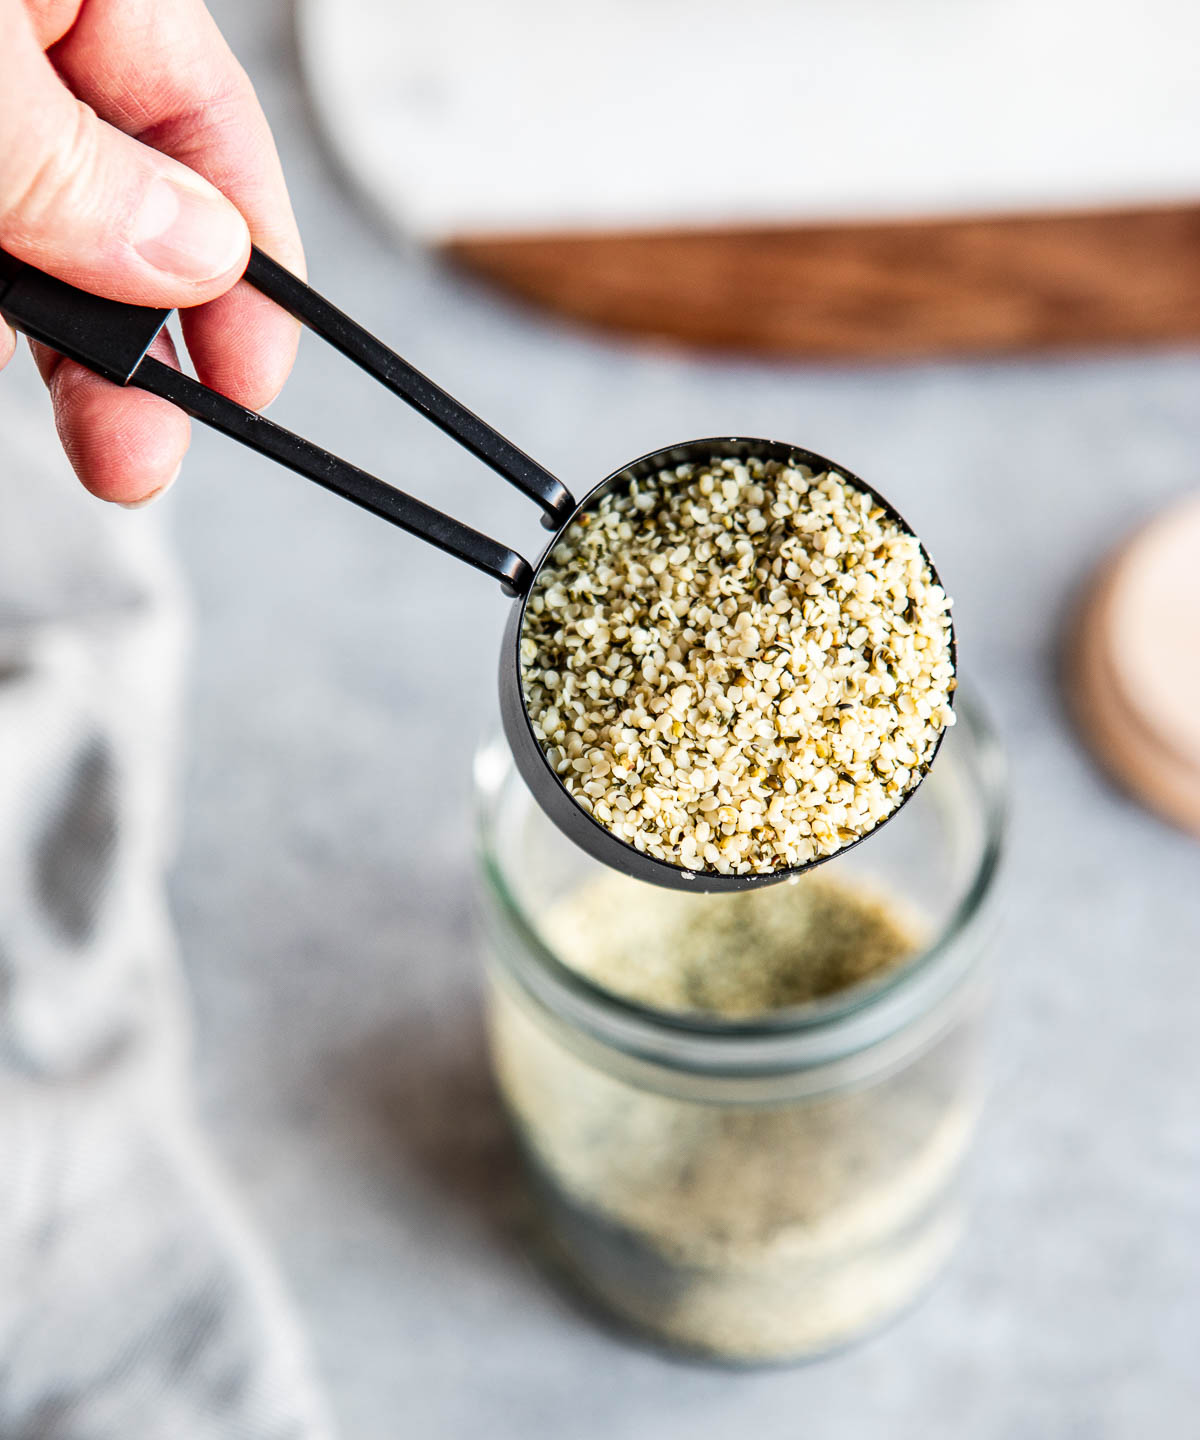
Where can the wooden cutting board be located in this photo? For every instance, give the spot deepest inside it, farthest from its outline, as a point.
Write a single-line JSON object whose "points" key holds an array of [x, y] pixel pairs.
{"points": [[885, 290], [789, 177]]}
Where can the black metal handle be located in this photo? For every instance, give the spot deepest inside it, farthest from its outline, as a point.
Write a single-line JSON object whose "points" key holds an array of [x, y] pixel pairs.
{"points": [[103, 335], [358, 486], [316, 313], [112, 339]]}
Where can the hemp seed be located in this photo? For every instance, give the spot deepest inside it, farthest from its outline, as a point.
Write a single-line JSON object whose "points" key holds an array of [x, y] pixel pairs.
{"points": [[747, 638]]}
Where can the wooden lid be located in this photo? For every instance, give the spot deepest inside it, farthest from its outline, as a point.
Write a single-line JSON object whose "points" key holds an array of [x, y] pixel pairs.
{"points": [[1137, 665]]}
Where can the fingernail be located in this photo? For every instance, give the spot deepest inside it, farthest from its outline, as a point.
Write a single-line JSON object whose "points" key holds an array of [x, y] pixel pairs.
{"points": [[153, 495], [188, 232]]}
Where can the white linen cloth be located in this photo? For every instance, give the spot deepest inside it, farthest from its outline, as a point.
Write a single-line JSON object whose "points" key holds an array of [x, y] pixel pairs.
{"points": [[134, 1301]]}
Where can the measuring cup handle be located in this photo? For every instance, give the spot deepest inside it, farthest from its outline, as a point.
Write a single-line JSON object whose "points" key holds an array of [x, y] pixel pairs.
{"points": [[104, 336], [112, 339], [392, 370], [286, 448]]}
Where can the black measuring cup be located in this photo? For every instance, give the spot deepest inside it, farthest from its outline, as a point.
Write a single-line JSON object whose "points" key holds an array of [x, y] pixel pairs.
{"points": [[112, 339]]}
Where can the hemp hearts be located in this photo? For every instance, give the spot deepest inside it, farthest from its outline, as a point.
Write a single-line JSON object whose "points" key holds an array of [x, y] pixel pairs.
{"points": [[738, 667]]}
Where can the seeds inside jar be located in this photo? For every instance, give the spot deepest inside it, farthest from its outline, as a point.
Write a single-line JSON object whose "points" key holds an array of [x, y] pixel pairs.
{"points": [[745, 1228], [735, 956], [738, 667]]}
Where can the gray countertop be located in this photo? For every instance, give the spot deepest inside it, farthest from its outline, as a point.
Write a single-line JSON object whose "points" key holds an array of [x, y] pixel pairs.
{"points": [[343, 674]]}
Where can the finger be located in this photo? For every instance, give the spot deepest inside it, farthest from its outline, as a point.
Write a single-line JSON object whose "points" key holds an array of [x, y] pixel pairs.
{"points": [[180, 89], [93, 206], [124, 444], [8, 343]]}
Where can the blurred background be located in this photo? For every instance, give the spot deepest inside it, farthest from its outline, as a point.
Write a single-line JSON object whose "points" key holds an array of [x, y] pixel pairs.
{"points": [[1024, 389]]}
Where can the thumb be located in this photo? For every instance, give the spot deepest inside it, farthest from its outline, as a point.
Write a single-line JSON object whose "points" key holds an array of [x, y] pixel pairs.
{"points": [[88, 204]]}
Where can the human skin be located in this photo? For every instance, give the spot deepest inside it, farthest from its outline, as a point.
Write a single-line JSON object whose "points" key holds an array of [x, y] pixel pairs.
{"points": [[135, 162]]}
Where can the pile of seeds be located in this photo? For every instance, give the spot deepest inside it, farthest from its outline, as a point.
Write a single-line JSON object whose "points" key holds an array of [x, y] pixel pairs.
{"points": [[736, 956], [738, 667]]}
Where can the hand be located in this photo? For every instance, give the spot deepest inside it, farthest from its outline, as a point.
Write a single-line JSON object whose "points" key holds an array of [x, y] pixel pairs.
{"points": [[96, 96]]}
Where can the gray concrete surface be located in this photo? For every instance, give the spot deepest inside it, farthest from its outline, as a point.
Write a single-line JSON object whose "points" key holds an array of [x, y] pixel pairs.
{"points": [[342, 676]]}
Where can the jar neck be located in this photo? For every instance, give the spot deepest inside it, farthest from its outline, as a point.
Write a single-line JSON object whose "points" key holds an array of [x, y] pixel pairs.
{"points": [[810, 1050], [847, 1038]]}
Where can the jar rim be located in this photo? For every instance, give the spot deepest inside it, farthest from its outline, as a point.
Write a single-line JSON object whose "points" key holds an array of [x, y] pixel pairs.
{"points": [[814, 1032]]}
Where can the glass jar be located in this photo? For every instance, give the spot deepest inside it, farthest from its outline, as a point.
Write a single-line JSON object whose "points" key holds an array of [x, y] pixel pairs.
{"points": [[756, 1189]]}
